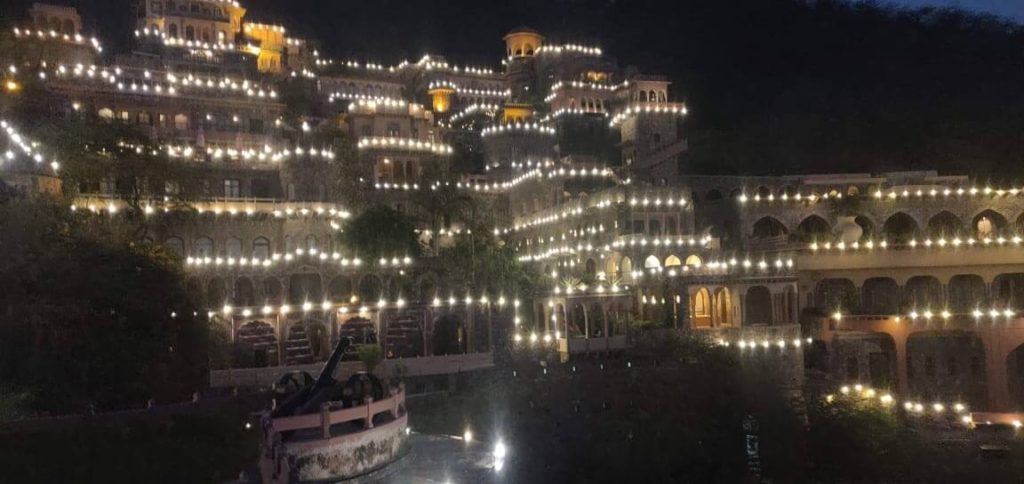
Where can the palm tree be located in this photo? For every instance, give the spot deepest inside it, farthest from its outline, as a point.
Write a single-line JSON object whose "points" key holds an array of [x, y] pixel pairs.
{"points": [[443, 205]]}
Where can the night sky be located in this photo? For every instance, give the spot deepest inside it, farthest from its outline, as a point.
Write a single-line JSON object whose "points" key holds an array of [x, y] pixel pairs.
{"points": [[1013, 9]]}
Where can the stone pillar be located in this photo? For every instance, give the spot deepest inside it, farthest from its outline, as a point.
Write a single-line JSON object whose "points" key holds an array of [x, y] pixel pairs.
{"points": [[325, 420], [369, 412], [902, 379]]}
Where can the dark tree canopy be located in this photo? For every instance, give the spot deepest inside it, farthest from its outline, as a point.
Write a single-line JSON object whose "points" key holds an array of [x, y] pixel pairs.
{"points": [[381, 232], [89, 321]]}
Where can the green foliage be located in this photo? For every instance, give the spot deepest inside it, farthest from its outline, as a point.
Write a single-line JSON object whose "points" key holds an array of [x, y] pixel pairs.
{"points": [[15, 403], [381, 232], [479, 261], [371, 356], [88, 320]]}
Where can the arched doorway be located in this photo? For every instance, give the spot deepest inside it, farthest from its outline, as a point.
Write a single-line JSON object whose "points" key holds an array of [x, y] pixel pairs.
{"points": [[923, 293], [758, 308], [880, 296], [449, 335], [723, 307], [700, 315]]}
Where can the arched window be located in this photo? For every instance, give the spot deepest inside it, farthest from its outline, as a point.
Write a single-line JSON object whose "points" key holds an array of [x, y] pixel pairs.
{"points": [[261, 249], [653, 96], [672, 261], [233, 248], [106, 113], [172, 30], [180, 122], [652, 262], [69, 27], [203, 247], [190, 33], [693, 260], [643, 95], [176, 245]]}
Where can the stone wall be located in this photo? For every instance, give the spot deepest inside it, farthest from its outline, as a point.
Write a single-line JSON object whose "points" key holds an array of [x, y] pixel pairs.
{"points": [[351, 455]]}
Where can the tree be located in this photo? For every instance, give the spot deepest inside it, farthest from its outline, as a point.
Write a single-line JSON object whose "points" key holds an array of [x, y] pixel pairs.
{"points": [[82, 325], [371, 356], [479, 261], [381, 232], [442, 206], [93, 150]]}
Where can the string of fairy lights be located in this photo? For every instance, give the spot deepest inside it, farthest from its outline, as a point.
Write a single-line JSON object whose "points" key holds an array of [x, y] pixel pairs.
{"points": [[893, 193], [53, 35], [501, 186], [147, 82], [297, 255], [21, 147]]}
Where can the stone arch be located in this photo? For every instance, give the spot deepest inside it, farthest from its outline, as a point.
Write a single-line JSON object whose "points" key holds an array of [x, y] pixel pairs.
{"points": [[261, 248], [813, 227], [449, 336], [758, 307], [768, 227], [216, 292], [272, 290], [611, 267], [880, 296], [652, 262], [867, 225], [203, 247], [923, 293], [987, 223], [175, 245], [835, 295], [700, 313], [723, 307], [340, 289], [590, 270], [596, 317], [305, 287], [233, 248], [626, 269], [370, 288], [945, 224], [578, 318], [967, 292], [1008, 290], [900, 228], [244, 292], [865, 358]]}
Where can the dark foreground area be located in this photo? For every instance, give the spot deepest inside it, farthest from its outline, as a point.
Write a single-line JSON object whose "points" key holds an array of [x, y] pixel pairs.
{"points": [[682, 412]]}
